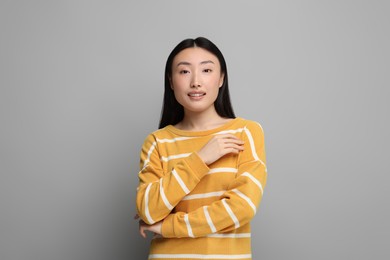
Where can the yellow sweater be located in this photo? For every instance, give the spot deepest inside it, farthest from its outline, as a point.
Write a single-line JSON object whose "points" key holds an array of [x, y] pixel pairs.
{"points": [[205, 210]]}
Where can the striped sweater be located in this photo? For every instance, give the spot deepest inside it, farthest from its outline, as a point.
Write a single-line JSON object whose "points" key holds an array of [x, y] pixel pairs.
{"points": [[206, 209]]}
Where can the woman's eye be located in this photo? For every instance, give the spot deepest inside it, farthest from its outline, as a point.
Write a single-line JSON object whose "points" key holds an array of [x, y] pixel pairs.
{"points": [[207, 70], [183, 71]]}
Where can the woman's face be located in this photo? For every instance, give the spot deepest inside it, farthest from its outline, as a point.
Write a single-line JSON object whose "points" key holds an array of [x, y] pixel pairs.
{"points": [[196, 79]]}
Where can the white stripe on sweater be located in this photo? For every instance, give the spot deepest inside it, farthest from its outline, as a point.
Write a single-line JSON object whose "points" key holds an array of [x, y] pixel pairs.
{"points": [[252, 144], [231, 214], [164, 198], [180, 181], [199, 256], [147, 214], [209, 220], [176, 139], [253, 148], [246, 198], [260, 127], [231, 235], [189, 229], [176, 156], [204, 195], [226, 169], [220, 235], [147, 160], [257, 182]]}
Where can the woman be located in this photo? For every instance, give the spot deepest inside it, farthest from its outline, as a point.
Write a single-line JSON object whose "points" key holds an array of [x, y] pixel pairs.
{"points": [[203, 172]]}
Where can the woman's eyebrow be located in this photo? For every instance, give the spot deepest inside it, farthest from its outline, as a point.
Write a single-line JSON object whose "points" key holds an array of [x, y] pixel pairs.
{"points": [[187, 63], [183, 63], [207, 61]]}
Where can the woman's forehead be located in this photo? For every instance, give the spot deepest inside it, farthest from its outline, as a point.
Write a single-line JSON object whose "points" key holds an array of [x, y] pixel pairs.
{"points": [[195, 55]]}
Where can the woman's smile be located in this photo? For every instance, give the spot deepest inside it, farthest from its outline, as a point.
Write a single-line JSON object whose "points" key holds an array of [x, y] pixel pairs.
{"points": [[196, 95]]}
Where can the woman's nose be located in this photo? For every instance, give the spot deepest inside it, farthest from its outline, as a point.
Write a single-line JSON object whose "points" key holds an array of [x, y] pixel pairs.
{"points": [[195, 81]]}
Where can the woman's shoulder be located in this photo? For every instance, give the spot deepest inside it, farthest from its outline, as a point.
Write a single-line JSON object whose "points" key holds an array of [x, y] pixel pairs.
{"points": [[161, 133], [251, 124]]}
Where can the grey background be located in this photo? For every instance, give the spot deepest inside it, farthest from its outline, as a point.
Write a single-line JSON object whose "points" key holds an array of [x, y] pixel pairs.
{"points": [[82, 84]]}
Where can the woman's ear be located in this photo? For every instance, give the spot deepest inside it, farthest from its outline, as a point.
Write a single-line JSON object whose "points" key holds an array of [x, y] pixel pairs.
{"points": [[221, 79]]}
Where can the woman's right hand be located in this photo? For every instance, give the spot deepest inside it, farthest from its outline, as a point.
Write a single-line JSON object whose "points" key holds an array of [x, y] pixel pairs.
{"points": [[219, 146]]}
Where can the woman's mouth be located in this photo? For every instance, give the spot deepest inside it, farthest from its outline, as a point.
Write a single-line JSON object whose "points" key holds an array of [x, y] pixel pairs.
{"points": [[196, 94]]}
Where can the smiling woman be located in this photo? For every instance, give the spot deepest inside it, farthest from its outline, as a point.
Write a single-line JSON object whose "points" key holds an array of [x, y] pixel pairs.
{"points": [[195, 80], [202, 174]]}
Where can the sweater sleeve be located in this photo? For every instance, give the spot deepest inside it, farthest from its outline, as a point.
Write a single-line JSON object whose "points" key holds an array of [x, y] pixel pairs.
{"points": [[159, 192], [238, 204]]}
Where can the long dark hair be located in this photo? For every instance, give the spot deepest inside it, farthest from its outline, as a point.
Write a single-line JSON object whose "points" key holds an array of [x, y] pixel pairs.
{"points": [[172, 112]]}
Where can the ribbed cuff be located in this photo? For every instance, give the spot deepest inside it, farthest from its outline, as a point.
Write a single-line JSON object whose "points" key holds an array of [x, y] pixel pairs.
{"points": [[196, 164], [167, 227]]}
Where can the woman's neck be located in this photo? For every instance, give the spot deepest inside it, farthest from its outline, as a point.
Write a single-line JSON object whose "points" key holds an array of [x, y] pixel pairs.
{"points": [[201, 121]]}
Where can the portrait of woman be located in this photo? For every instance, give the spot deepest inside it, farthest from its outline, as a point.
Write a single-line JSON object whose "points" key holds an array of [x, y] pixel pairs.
{"points": [[203, 172]]}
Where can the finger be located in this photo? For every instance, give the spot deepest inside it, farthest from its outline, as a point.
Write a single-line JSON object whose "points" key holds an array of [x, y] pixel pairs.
{"points": [[234, 141], [232, 150], [227, 136], [232, 138], [142, 231], [238, 147], [143, 234]]}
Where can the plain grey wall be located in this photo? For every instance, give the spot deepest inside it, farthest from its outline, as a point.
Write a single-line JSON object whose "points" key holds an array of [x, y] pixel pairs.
{"points": [[82, 84]]}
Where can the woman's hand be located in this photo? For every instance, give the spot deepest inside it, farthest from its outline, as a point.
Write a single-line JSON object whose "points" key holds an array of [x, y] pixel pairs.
{"points": [[219, 146], [155, 228]]}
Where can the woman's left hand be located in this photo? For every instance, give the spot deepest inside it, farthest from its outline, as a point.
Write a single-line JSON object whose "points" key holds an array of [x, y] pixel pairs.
{"points": [[155, 228]]}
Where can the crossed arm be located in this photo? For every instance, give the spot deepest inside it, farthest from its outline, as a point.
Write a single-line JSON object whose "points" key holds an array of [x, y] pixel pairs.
{"points": [[239, 203]]}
